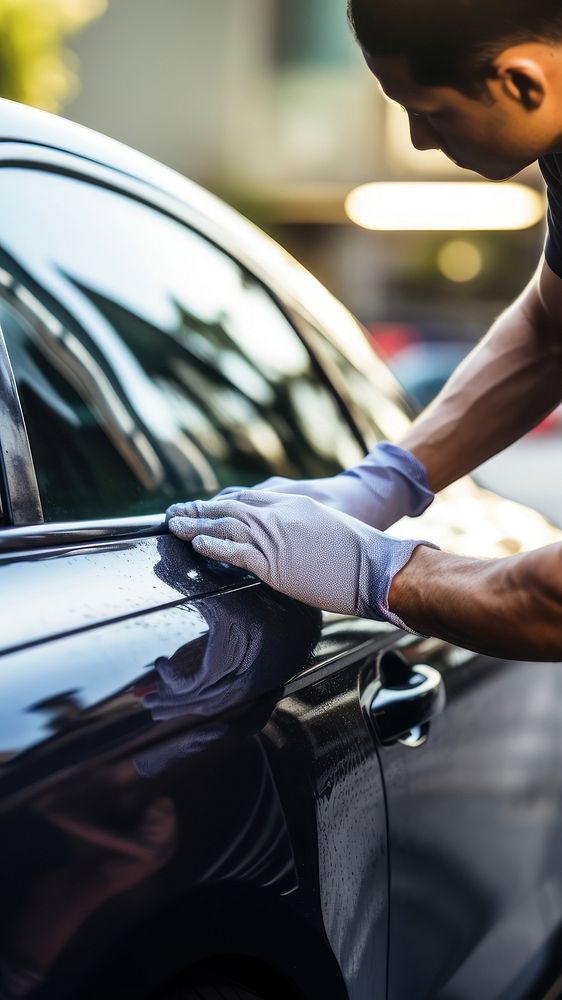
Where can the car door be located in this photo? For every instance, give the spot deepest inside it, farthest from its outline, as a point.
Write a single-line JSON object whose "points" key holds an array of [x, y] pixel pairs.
{"points": [[130, 393], [185, 774]]}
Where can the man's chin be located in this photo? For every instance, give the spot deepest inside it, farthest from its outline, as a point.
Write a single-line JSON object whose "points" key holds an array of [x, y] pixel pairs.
{"points": [[502, 176], [499, 172], [488, 172]]}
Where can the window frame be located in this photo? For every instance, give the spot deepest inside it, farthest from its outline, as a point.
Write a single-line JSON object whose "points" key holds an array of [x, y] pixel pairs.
{"points": [[21, 501], [25, 527]]}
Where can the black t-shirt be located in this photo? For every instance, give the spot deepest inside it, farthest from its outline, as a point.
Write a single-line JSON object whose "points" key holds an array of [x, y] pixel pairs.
{"points": [[551, 169]]}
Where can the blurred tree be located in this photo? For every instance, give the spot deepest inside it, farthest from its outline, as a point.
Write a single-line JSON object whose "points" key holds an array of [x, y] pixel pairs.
{"points": [[35, 66]]}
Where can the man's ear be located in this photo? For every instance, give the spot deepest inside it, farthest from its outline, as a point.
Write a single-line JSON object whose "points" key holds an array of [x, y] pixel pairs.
{"points": [[522, 79]]}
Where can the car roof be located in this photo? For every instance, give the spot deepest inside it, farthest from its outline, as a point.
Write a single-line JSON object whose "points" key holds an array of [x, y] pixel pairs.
{"points": [[21, 123]]}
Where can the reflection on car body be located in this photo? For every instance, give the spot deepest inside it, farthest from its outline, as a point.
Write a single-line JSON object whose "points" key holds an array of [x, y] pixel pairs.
{"points": [[193, 791], [137, 817]]}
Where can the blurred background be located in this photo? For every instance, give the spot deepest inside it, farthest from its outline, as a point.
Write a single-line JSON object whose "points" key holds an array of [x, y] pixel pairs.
{"points": [[268, 104]]}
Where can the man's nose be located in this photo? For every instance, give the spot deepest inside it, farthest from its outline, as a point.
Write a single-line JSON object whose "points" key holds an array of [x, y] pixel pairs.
{"points": [[422, 134]]}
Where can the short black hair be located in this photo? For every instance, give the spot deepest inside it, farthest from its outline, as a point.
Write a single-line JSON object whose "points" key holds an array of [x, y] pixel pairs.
{"points": [[452, 42]]}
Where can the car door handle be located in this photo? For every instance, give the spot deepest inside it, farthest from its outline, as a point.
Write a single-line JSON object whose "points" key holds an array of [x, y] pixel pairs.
{"points": [[404, 699]]}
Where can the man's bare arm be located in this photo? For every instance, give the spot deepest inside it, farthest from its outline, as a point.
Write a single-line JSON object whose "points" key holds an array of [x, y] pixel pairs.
{"points": [[509, 608], [508, 383]]}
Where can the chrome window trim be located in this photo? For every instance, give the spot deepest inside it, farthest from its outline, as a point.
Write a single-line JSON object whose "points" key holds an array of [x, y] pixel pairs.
{"points": [[36, 536], [22, 500]]}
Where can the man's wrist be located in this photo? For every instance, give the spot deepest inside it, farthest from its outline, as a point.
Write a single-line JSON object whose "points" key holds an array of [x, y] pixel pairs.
{"points": [[409, 590]]}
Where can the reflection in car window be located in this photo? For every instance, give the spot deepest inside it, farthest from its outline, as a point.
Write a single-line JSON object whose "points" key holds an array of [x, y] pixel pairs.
{"points": [[373, 395], [150, 365]]}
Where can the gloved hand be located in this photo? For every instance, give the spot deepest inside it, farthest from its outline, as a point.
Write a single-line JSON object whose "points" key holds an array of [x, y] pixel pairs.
{"points": [[294, 544], [386, 485]]}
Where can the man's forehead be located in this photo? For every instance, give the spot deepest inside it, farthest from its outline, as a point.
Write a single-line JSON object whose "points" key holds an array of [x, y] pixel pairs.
{"points": [[392, 72]]}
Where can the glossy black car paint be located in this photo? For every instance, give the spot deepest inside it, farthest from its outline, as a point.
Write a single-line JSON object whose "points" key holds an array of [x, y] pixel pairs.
{"points": [[128, 813], [190, 771]]}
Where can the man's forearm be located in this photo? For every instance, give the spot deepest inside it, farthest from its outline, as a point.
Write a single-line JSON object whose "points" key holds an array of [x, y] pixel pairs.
{"points": [[509, 608], [505, 387]]}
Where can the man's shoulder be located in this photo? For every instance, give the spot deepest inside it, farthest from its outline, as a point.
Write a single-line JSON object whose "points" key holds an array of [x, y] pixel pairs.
{"points": [[550, 166]]}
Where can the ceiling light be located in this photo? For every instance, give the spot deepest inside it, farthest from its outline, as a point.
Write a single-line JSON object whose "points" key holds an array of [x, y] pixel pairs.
{"points": [[444, 205]]}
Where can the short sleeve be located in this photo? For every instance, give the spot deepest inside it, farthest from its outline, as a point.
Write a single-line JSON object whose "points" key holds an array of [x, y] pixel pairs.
{"points": [[551, 169]]}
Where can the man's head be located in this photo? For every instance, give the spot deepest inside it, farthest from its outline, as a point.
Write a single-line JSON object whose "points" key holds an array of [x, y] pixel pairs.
{"points": [[480, 79]]}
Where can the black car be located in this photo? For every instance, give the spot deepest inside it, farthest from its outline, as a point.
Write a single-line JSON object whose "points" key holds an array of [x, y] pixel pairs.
{"points": [[207, 789]]}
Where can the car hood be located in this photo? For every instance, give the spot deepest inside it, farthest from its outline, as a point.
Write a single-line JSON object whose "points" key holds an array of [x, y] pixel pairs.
{"points": [[470, 521]]}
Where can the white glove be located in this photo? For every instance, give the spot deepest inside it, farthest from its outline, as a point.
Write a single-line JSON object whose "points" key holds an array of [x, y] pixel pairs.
{"points": [[300, 547]]}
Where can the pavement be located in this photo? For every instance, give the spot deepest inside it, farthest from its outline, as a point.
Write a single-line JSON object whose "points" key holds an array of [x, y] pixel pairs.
{"points": [[530, 471]]}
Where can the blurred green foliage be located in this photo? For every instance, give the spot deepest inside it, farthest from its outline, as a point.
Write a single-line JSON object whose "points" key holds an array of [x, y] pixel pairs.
{"points": [[35, 65]]}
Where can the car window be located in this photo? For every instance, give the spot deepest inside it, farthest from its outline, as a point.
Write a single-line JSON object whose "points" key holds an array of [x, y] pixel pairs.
{"points": [[150, 365]]}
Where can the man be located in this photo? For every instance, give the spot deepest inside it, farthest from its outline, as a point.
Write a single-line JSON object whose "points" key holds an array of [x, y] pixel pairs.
{"points": [[481, 80]]}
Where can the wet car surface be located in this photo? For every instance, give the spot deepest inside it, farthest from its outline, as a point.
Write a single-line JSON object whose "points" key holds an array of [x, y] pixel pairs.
{"points": [[198, 783]]}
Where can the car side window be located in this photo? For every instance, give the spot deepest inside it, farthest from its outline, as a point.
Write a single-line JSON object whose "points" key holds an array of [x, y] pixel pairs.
{"points": [[150, 365]]}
